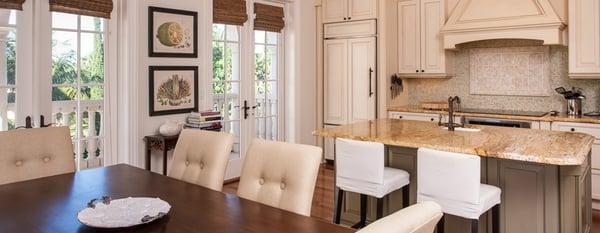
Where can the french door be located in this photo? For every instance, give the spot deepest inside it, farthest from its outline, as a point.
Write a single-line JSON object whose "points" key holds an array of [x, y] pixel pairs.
{"points": [[247, 88], [69, 90]]}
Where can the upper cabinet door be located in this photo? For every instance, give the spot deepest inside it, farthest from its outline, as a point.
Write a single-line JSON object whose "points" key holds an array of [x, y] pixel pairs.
{"points": [[335, 10], [362, 9], [409, 37], [432, 50], [363, 78], [336, 81], [584, 39]]}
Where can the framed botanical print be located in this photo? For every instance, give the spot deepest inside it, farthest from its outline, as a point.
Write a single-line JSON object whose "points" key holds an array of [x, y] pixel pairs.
{"points": [[173, 90], [172, 33]]}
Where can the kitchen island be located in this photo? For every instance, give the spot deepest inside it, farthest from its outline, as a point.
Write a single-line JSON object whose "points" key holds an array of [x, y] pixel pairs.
{"points": [[544, 175]]}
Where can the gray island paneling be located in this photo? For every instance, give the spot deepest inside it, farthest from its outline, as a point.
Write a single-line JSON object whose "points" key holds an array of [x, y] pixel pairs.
{"points": [[544, 176]]}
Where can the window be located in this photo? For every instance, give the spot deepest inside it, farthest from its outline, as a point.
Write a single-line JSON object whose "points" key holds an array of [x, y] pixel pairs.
{"points": [[267, 84], [226, 79], [8, 78], [78, 82]]}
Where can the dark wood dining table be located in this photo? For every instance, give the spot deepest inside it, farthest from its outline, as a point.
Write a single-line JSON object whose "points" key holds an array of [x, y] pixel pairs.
{"points": [[50, 205]]}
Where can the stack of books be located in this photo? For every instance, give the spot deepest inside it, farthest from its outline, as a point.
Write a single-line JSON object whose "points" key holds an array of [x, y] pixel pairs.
{"points": [[206, 120]]}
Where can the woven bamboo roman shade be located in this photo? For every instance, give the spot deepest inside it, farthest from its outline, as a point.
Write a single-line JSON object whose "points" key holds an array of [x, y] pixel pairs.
{"points": [[12, 4], [232, 12], [96, 8], [268, 18]]}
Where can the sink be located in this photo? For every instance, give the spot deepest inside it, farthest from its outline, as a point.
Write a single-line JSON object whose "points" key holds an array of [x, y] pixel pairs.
{"points": [[461, 129]]}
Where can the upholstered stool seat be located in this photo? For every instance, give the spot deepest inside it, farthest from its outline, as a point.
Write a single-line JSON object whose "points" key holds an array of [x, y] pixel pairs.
{"points": [[453, 181], [360, 168]]}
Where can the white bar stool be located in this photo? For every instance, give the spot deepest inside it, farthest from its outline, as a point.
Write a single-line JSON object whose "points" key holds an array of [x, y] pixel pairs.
{"points": [[360, 168], [453, 180]]}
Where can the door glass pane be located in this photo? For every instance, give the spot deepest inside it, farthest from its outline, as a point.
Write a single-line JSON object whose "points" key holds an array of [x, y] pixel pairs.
{"points": [[78, 83], [226, 81], [8, 70], [266, 85]]}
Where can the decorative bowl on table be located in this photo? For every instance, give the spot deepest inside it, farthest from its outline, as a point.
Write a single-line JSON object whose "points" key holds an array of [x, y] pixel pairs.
{"points": [[123, 213]]}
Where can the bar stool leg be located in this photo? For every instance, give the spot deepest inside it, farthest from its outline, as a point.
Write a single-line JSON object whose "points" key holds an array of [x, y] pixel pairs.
{"points": [[474, 225], [338, 208], [440, 225], [405, 196], [496, 219], [379, 208], [363, 210]]}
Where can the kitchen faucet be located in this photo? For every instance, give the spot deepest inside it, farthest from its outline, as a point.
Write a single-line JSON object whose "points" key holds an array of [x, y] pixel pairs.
{"points": [[453, 105]]}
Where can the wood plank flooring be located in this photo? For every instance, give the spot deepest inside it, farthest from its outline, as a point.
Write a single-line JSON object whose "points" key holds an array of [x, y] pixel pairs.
{"points": [[322, 206]]}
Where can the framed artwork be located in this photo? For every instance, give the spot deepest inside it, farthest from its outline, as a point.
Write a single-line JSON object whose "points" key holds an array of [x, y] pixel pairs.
{"points": [[172, 33], [173, 90]]}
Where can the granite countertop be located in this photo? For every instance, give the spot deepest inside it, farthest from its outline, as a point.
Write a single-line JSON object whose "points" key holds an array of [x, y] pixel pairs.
{"points": [[530, 145], [546, 118]]}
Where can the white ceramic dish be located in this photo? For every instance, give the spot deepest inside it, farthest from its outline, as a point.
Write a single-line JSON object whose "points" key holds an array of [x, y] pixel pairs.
{"points": [[123, 213]]}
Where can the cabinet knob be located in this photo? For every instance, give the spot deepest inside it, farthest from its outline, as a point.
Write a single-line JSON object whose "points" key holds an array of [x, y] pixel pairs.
{"points": [[572, 129], [432, 119], [349, 18], [345, 18], [423, 71], [417, 71], [399, 117]]}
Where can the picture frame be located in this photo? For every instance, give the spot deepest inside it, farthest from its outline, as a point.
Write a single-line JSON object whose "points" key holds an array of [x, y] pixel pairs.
{"points": [[173, 90], [172, 33]]}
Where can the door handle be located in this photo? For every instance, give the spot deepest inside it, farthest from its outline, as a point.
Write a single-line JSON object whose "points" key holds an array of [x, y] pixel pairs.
{"points": [[370, 82], [245, 108]]}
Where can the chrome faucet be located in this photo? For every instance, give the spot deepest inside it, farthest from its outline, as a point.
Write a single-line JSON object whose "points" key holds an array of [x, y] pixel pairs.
{"points": [[453, 105]]}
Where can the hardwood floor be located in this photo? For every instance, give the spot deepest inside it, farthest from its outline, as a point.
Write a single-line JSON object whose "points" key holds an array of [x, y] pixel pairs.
{"points": [[322, 206]]}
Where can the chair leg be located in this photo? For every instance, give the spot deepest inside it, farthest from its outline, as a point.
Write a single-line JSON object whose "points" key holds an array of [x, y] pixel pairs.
{"points": [[338, 206], [440, 225], [363, 210], [496, 219], [474, 225], [379, 208], [363, 213], [405, 196]]}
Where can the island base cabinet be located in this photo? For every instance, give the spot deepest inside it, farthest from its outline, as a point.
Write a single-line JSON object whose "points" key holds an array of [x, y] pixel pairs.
{"points": [[536, 198]]}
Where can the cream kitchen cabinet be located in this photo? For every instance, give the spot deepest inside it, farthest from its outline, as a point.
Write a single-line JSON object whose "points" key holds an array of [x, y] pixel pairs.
{"points": [[420, 43], [329, 146], [594, 130], [584, 39], [348, 10], [349, 74]]}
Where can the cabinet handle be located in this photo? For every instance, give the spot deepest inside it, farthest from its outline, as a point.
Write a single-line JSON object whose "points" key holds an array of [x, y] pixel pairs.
{"points": [[370, 82]]}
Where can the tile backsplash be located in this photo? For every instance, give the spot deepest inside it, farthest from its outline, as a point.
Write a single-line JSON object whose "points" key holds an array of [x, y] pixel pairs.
{"points": [[419, 90]]}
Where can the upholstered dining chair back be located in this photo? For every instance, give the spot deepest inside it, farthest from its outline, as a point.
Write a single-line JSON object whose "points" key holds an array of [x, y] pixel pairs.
{"points": [[200, 157], [359, 160], [281, 175], [27, 154], [418, 218], [449, 176]]}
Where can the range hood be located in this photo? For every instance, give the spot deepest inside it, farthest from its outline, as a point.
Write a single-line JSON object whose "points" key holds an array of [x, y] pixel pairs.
{"points": [[475, 20]]}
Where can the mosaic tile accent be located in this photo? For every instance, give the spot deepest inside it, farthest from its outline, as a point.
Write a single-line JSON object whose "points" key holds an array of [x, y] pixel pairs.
{"points": [[514, 71], [418, 90]]}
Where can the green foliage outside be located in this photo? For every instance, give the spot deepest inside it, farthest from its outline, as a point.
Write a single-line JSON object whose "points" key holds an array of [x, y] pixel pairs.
{"points": [[64, 71], [223, 56]]}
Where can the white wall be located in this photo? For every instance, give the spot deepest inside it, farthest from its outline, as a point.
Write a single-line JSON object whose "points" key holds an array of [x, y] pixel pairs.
{"points": [[301, 72], [134, 120]]}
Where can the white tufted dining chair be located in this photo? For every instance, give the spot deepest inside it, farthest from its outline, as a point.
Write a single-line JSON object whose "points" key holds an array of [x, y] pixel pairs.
{"points": [[201, 158], [418, 218], [27, 154], [281, 175], [453, 180]]}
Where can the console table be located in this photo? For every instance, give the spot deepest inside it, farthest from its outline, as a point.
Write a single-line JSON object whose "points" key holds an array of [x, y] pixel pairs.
{"points": [[159, 143]]}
